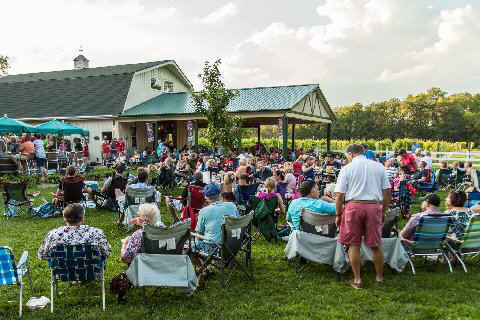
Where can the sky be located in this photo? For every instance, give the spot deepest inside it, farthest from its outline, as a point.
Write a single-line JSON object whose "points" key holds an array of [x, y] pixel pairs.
{"points": [[356, 50]]}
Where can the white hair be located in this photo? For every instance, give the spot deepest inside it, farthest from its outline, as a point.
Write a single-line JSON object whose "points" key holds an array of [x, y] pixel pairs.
{"points": [[151, 213]]}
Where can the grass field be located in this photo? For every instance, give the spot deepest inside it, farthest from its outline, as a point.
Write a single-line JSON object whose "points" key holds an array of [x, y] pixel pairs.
{"points": [[277, 292]]}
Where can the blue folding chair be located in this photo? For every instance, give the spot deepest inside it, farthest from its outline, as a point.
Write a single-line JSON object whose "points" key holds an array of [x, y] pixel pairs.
{"points": [[244, 193], [76, 263], [12, 273], [431, 186], [429, 239], [473, 199]]}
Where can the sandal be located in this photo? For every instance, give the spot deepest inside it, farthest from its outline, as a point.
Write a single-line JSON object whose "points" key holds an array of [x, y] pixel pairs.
{"points": [[355, 285], [380, 283]]}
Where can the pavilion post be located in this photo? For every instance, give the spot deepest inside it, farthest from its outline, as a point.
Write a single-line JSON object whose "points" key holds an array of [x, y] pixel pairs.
{"points": [[285, 138], [155, 136], [293, 139], [258, 134], [195, 134], [329, 132]]}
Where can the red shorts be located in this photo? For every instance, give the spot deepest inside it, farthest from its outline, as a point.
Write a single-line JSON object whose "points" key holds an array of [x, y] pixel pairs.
{"points": [[361, 220]]}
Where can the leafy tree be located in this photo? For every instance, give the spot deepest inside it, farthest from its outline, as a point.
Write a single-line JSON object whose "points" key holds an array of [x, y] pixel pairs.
{"points": [[4, 65], [211, 102]]}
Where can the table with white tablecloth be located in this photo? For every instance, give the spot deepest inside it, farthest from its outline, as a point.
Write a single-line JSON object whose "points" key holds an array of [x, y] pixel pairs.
{"points": [[328, 251]]}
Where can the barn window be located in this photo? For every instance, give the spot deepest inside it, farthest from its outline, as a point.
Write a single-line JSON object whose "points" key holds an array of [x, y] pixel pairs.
{"points": [[168, 86]]}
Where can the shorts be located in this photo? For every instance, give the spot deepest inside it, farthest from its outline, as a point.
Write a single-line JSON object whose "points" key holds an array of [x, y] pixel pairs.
{"points": [[361, 220], [202, 246]]}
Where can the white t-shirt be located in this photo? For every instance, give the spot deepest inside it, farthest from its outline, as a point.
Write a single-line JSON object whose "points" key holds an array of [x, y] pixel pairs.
{"points": [[362, 179], [428, 161]]}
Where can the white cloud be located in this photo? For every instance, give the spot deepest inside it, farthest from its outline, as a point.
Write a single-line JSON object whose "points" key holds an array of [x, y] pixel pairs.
{"points": [[387, 75], [51, 32], [220, 14]]}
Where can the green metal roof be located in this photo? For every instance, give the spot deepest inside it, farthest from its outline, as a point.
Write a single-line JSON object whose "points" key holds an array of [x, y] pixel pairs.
{"points": [[81, 73], [72, 93], [247, 100]]}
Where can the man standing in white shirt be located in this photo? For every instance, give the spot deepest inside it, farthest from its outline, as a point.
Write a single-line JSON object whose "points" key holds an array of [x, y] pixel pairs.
{"points": [[363, 186]]}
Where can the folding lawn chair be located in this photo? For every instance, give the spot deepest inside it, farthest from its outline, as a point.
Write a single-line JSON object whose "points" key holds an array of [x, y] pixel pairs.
{"points": [[317, 223], [52, 161], [236, 239], [15, 195], [163, 262], [443, 178], [431, 186], [73, 192], [473, 198], [470, 245], [12, 273], [429, 238], [7, 166], [402, 199], [76, 263], [134, 197]]}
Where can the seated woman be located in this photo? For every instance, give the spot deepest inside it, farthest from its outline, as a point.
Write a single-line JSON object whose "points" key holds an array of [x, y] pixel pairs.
{"points": [[148, 213], [228, 186], [264, 205], [74, 233], [454, 203], [402, 176], [70, 177], [309, 200], [292, 181]]}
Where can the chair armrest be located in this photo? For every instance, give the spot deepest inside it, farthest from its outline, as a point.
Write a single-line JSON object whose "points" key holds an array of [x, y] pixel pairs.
{"points": [[23, 260], [200, 236], [410, 242], [449, 238]]}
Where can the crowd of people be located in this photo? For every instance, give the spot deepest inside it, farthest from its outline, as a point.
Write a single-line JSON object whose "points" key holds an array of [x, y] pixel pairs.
{"points": [[357, 188], [33, 147]]}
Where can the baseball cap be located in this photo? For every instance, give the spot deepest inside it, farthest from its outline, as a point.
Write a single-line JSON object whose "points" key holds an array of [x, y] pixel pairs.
{"points": [[211, 190]]}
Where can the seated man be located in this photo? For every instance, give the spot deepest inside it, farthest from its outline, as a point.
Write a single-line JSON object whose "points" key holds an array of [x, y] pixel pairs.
{"points": [[429, 207], [174, 205], [309, 200], [117, 182], [210, 218], [308, 169], [263, 172], [141, 184], [74, 233]]}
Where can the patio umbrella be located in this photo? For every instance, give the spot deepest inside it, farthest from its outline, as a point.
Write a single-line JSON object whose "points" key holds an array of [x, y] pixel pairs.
{"points": [[58, 127], [8, 125]]}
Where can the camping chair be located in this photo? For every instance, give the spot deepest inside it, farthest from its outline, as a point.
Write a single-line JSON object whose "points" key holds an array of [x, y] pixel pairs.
{"points": [[236, 239], [473, 198], [430, 186], [428, 240], [470, 245], [12, 273], [15, 194], [73, 192], [390, 224], [134, 197], [76, 263], [317, 223], [163, 262], [243, 195], [7, 165], [52, 161], [195, 202], [443, 178]]}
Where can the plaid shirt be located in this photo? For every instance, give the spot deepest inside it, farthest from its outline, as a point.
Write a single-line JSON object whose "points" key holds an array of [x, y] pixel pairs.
{"points": [[73, 235]]}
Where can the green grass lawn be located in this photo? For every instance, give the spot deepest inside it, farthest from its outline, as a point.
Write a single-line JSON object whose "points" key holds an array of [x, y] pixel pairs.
{"points": [[277, 292]]}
